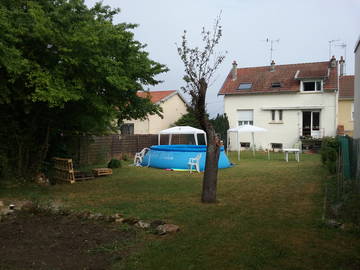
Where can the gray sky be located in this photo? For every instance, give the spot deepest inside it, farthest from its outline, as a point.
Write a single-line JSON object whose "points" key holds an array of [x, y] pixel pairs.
{"points": [[304, 28]]}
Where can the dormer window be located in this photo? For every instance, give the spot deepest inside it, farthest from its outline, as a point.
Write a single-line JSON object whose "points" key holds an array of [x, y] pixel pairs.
{"points": [[244, 86], [312, 86], [276, 85]]}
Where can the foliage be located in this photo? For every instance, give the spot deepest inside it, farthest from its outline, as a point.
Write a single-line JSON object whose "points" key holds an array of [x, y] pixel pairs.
{"points": [[200, 66], [221, 126], [114, 163], [329, 153], [65, 69], [188, 119]]}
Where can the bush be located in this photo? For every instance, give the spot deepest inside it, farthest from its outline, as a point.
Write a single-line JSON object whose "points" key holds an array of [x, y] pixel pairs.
{"points": [[114, 163], [329, 153]]}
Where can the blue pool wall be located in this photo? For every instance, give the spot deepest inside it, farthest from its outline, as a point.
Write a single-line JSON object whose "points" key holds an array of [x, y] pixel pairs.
{"points": [[177, 156]]}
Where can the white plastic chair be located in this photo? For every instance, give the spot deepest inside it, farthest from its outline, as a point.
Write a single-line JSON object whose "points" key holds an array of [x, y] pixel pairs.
{"points": [[194, 162], [138, 158]]}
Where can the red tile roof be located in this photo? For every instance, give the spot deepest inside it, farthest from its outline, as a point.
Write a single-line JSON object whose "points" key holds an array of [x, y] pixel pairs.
{"points": [[262, 78], [155, 96], [346, 86]]}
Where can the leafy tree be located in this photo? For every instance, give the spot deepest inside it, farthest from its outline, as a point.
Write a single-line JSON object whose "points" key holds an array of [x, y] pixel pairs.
{"points": [[188, 119], [65, 69], [200, 66], [221, 126]]}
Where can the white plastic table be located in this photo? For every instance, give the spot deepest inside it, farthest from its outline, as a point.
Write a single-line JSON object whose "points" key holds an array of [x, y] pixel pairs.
{"points": [[292, 150]]}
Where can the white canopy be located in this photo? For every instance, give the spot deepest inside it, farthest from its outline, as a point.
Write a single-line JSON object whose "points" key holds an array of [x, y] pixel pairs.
{"points": [[182, 130], [242, 129]]}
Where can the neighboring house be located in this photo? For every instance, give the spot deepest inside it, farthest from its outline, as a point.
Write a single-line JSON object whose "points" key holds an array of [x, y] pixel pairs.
{"points": [[290, 101], [346, 104], [173, 106]]}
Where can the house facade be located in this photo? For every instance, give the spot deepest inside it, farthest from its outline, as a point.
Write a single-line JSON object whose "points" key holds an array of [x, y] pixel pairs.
{"points": [[289, 101], [173, 106], [346, 104]]}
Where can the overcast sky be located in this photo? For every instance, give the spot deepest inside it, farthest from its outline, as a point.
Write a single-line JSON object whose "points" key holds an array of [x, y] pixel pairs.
{"points": [[304, 28]]}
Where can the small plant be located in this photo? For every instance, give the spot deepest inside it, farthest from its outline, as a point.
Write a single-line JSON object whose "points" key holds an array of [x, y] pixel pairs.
{"points": [[125, 157], [114, 163]]}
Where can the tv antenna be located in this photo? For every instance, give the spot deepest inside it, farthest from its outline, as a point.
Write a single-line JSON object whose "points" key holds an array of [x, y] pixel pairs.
{"points": [[343, 46], [330, 45], [271, 41]]}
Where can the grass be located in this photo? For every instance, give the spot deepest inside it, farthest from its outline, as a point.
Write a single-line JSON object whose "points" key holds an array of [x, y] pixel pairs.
{"points": [[268, 215]]}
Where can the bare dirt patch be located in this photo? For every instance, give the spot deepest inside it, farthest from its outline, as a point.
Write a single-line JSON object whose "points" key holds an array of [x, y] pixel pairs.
{"points": [[48, 241]]}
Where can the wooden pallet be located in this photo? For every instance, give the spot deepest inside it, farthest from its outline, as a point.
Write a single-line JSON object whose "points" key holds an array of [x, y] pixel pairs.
{"points": [[64, 170], [102, 171]]}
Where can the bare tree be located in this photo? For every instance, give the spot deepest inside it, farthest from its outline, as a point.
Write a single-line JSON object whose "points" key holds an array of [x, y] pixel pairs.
{"points": [[200, 66]]}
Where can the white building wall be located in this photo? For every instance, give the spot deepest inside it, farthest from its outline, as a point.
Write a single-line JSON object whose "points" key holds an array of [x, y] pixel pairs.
{"points": [[293, 104], [173, 108]]}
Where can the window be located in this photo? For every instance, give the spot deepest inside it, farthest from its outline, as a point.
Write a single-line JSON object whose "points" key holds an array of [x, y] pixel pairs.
{"points": [[244, 86], [279, 118], [272, 115], [276, 85], [127, 129], [245, 117], [245, 144], [312, 86], [352, 111], [276, 146]]}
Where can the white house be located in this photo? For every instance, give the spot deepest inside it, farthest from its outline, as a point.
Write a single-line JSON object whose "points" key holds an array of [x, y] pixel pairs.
{"points": [[173, 106], [289, 101]]}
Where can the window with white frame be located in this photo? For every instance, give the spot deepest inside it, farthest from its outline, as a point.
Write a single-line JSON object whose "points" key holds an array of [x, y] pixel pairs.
{"points": [[312, 86], [352, 111], [276, 116], [245, 117]]}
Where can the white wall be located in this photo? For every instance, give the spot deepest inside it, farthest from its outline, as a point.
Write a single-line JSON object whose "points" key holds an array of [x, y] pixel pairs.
{"points": [[173, 109], [292, 105]]}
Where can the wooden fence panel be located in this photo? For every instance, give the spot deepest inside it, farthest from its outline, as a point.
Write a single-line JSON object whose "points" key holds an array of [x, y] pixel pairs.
{"points": [[100, 149]]}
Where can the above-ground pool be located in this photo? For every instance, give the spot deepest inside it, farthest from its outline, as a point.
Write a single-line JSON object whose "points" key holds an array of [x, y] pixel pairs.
{"points": [[177, 157]]}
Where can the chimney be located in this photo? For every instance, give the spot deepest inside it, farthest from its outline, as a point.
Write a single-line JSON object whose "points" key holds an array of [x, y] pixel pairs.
{"points": [[234, 71], [333, 62], [272, 65], [342, 62]]}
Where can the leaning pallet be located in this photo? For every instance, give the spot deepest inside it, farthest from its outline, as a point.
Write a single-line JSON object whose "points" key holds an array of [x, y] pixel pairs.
{"points": [[63, 169], [102, 171]]}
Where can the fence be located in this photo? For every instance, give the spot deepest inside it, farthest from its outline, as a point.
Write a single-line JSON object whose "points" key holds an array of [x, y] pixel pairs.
{"points": [[99, 149], [350, 159]]}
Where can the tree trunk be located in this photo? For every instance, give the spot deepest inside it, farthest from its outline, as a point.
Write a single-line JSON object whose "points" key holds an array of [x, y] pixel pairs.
{"points": [[212, 150], [211, 169]]}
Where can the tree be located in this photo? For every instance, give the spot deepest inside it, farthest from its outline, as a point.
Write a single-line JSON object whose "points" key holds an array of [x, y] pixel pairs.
{"points": [[188, 119], [65, 69], [221, 126], [200, 66]]}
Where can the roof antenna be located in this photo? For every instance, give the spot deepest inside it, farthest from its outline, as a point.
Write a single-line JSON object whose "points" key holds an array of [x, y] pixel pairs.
{"points": [[271, 41], [343, 45], [330, 45]]}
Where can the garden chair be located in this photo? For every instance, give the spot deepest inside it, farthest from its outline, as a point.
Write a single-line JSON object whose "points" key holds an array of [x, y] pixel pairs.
{"points": [[138, 158], [194, 162]]}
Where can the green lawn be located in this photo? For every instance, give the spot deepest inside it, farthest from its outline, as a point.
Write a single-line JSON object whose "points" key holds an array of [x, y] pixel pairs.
{"points": [[268, 215]]}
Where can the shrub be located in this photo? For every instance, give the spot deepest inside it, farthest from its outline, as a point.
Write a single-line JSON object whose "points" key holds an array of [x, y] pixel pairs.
{"points": [[329, 153], [114, 163], [125, 157]]}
